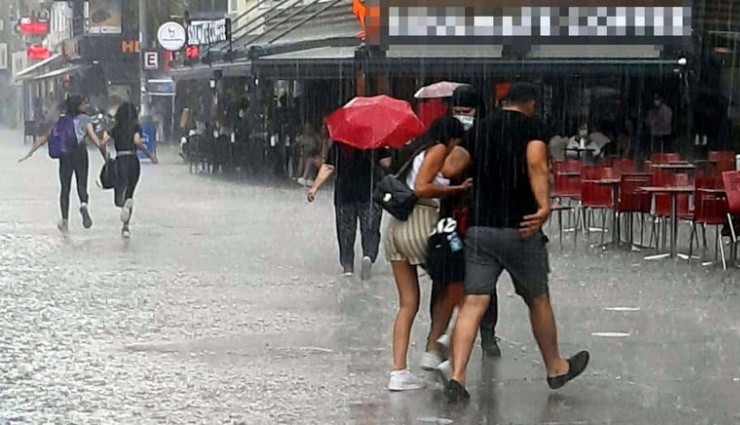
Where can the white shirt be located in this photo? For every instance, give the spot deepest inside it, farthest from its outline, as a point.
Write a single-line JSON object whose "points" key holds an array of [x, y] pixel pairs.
{"points": [[439, 179]]}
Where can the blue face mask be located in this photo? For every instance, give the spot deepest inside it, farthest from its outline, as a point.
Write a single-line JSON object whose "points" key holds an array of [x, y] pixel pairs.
{"points": [[466, 121]]}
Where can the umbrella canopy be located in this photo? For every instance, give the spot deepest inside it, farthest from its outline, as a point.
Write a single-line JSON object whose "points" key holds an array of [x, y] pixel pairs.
{"points": [[374, 122], [438, 90]]}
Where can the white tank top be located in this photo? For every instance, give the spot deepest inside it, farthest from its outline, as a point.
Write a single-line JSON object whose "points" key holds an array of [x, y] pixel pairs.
{"points": [[439, 179]]}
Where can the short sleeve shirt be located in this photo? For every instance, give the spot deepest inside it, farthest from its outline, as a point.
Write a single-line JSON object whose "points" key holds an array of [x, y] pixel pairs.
{"points": [[81, 121], [356, 172], [502, 194]]}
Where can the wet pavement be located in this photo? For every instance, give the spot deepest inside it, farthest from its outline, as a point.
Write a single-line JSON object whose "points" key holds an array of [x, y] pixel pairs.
{"points": [[226, 307]]}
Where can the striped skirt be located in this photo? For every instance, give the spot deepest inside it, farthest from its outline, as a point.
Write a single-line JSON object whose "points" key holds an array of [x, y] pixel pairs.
{"points": [[407, 240]]}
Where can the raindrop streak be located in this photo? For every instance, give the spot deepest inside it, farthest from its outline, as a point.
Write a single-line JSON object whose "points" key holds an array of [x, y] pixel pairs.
{"points": [[611, 334], [622, 309]]}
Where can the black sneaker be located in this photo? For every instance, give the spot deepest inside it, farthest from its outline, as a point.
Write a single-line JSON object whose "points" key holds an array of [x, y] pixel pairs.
{"points": [[577, 364], [489, 344], [456, 392]]}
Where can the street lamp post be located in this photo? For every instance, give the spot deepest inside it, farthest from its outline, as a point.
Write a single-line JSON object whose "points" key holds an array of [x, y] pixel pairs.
{"points": [[144, 45]]}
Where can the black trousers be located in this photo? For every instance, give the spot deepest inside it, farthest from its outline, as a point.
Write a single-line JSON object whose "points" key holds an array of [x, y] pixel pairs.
{"points": [[76, 163], [347, 214], [128, 171]]}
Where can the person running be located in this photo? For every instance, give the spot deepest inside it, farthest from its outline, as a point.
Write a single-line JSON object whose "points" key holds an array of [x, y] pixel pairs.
{"points": [[510, 205], [126, 135], [406, 241], [357, 174], [76, 163]]}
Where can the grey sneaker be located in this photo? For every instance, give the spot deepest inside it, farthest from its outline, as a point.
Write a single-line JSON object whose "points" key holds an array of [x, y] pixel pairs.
{"points": [[125, 232], [367, 268], [63, 226], [126, 210], [86, 219]]}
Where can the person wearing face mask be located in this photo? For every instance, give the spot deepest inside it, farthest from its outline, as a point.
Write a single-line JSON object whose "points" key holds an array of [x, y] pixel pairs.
{"points": [[466, 106]]}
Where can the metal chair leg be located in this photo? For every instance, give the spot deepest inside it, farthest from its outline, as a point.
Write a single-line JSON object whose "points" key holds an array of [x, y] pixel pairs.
{"points": [[691, 242]]}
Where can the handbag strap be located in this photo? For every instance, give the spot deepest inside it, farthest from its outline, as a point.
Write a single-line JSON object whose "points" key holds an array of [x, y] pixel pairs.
{"points": [[401, 171]]}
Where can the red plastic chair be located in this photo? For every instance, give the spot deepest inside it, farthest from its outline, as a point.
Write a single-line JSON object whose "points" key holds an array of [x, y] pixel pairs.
{"points": [[664, 157], [567, 175], [623, 166], [594, 196], [634, 201], [731, 183], [710, 209]]}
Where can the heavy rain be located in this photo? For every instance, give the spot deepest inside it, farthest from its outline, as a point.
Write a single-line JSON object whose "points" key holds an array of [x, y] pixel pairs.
{"points": [[369, 212]]}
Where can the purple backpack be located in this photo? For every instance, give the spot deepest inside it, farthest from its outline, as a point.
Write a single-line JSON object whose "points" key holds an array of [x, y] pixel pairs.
{"points": [[63, 138]]}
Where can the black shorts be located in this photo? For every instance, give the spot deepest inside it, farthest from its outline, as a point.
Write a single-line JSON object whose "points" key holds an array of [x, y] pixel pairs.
{"points": [[489, 251]]}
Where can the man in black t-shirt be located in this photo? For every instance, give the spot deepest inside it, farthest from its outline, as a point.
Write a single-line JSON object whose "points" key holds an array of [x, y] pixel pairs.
{"points": [[511, 202], [357, 175]]}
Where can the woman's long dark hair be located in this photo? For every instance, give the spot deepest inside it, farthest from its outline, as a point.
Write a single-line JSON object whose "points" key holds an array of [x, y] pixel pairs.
{"points": [[73, 104], [443, 130], [126, 120]]}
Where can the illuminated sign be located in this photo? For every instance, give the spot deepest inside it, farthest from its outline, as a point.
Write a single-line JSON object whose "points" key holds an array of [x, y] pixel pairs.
{"points": [[151, 60], [38, 52], [209, 32], [29, 26], [531, 21]]}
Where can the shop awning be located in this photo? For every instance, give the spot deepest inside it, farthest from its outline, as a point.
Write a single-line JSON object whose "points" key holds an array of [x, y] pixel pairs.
{"points": [[57, 57], [59, 72], [328, 62], [487, 60]]}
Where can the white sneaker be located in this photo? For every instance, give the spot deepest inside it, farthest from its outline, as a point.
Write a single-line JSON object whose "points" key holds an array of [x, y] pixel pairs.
{"points": [[403, 380], [367, 268], [444, 371], [126, 210], [301, 181], [445, 341], [431, 360]]}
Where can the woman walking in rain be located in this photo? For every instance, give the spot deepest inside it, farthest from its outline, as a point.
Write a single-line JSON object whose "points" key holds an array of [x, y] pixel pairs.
{"points": [[127, 139], [75, 161], [406, 241]]}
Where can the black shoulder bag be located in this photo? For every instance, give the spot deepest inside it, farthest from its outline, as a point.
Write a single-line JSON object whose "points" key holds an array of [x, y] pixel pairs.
{"points": [[392, 193]]}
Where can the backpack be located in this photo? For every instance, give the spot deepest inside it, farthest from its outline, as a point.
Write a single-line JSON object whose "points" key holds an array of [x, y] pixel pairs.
{"points": [[445, 253], [63, 138]]}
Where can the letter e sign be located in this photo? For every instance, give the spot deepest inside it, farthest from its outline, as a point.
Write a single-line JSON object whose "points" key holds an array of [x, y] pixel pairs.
{"points": [[151, 60]]}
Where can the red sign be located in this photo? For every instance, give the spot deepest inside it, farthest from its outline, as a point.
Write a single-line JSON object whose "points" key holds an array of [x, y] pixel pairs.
{"points": [[192, 52], [29, 26], [38, 52]]}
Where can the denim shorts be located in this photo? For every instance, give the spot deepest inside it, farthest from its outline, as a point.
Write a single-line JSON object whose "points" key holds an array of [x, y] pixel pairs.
{"points": [[489, 251]]}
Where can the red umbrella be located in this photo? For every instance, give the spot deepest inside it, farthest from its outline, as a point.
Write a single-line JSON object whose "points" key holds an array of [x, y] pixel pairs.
{"points": [[374, 122], [430, 110]]}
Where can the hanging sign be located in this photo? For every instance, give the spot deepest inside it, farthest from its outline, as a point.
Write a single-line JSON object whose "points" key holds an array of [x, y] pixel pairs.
{"points": [[171, 36], [209, 32]]}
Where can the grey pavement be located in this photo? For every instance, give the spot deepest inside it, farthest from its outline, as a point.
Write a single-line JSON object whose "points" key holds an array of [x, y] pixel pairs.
{"points": [[226, 307]]}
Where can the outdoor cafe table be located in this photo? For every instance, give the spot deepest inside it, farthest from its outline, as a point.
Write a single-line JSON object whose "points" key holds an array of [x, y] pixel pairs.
{"points": [[614, 184], [673, 191], [676, 166]]}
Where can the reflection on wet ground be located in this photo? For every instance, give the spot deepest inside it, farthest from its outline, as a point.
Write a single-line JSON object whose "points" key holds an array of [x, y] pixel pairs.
{"points": [[226, 307]]}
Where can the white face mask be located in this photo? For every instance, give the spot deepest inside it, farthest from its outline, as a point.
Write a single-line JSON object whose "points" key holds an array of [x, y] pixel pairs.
{"points": [[241, 114], [466, 121]]}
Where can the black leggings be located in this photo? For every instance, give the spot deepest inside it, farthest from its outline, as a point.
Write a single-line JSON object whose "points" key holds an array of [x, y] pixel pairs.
{"points": [[128, 169], [76, 163]]}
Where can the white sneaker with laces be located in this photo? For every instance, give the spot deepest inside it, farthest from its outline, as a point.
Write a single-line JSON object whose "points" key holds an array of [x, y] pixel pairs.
{"points": [[404, 380], [431, 360]]}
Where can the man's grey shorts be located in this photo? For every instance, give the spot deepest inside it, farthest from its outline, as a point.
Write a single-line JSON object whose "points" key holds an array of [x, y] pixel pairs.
{"points": [[489, 251]]}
